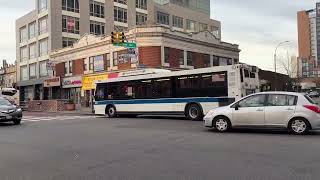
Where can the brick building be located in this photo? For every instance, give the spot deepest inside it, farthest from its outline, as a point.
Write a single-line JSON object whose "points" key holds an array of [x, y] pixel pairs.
{"points": [[8, 77], [94, 57]]}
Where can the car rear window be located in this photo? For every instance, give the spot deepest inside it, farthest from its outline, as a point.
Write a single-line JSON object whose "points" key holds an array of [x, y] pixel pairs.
{"points": [[309, 99]]}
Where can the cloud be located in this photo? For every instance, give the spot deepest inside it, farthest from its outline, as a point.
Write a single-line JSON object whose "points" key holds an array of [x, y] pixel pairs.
{"points": [[258, 26]]}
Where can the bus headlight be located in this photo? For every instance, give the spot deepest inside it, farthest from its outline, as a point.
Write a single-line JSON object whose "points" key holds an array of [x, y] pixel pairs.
{"points": [[18, 110]]}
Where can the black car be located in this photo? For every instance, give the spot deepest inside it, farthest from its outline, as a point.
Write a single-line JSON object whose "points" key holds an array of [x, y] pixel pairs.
{"points": [[9, 112]]}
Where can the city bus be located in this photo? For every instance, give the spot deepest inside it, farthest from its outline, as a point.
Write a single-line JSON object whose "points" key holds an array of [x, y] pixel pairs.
{"points": [[187, 92]]}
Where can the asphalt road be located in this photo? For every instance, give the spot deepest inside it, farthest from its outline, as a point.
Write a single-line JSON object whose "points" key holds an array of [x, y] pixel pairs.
{"points": [[92, 148]]}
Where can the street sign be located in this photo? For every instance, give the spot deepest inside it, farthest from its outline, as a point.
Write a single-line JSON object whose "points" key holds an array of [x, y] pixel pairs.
{"points": [[126, 44]]}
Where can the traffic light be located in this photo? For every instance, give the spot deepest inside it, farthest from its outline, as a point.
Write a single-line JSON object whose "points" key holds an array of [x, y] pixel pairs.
{"points": [[117, 37]]}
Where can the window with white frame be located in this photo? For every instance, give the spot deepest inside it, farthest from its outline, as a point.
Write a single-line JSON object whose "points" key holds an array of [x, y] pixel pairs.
{"points": [[70, 5], [43, 68], [97, 28], [115, 58], [23, 34], [66, 68], [43, 25], [91, 65], [191, 25], [24, 73], [120, 14], [70, 24], [42, 5], [32, 30], [97, 9], [177, 21], [23, 53], [70, 67], [120, 28], [163, 18], [121, 1], [32, 50], [43, 47], [203, 26], [190, 56], [33, 70], [166, 54], [66, 42], [141, 18], [141, 4]]}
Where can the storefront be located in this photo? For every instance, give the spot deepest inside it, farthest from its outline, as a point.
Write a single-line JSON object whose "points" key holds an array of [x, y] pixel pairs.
{"points": [[71, 89], [52, 87], [88, 87]]}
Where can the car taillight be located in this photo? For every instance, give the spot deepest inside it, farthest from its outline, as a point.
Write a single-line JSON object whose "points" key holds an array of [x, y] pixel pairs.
{"points": [[312, 108]]}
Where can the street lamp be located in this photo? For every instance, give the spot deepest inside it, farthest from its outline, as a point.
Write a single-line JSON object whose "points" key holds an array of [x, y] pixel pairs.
{"points": [[275, 62]]}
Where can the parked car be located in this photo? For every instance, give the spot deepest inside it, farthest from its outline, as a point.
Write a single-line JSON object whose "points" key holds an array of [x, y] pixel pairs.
{"points": [[293, 111], [9, 112], [313, 94]]}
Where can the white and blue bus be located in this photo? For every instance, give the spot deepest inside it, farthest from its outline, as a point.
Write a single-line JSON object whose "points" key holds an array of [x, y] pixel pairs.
{"points": [[188, 92]]}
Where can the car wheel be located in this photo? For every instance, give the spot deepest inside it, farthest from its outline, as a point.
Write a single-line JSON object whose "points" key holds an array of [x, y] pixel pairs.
{"points": [[221, 124], [17, 121], [194, 112], [299, 126], [111, 112]]}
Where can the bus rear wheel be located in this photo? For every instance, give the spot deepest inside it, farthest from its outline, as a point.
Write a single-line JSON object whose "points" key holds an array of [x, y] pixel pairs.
{"points": [[194, 112], [111, 111]]}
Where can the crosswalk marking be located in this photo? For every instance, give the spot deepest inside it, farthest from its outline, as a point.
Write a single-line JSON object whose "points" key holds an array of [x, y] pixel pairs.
{"points": [[54, 118]]}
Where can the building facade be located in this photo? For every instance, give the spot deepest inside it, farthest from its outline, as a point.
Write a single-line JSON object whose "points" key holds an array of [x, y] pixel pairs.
{"points": [[55, 24], [96, 58], [309, 42], [8, 78]]}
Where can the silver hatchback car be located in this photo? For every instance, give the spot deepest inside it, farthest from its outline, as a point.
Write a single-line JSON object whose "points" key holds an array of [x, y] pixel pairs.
{"points": [[293, 111]]}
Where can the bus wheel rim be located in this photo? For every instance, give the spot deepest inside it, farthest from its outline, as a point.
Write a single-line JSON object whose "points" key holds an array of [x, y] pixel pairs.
{"points": [[111, 111], [193, 112]]}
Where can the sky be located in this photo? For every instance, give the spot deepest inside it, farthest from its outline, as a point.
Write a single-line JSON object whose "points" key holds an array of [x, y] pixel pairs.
{"points": [[256, 25]]}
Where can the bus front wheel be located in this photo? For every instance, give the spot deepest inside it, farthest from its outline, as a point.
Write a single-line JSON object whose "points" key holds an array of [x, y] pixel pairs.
{"points": [[194, 112], [111, 111]]}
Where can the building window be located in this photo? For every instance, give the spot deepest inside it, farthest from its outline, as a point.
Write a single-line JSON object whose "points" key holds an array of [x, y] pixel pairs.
{"points": [[121, 1], [107, 61], [33, 70], [23, 53], [203, 26], [97, 28], [214, 30], [43, 68], [190, 58], [70, 67], [70, 24], [32, 30], [24, 73], [43, 25], [166, 54], [115, 58], [191, 25], [120, 14], [162, 18], [206, 60], [215, 61], [32, 50], [181, 57], [23, 34], [42, 5], [66, 68], [223, 61], [96, 9], [70, 5], [68, 41], [141, 4], [141, 18], [43, 47], [91, 61], [177, 21]]}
